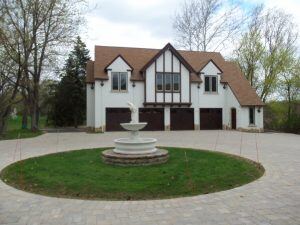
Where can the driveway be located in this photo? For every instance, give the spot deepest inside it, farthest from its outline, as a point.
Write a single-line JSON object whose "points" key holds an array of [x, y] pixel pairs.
{"points": [[273, 199]]}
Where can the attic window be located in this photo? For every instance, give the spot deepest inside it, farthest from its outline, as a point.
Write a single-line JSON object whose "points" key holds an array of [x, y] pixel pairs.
{"points": [[210, 84], [119, 81]]}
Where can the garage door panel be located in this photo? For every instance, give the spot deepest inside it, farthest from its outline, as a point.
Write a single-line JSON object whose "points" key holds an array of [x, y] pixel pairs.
{"points": [[182, 119], [154, 117], [211, 118], [115, 116]]}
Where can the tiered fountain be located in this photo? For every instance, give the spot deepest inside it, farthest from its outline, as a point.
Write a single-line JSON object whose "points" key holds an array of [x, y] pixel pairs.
{"points": [[134, 150]]}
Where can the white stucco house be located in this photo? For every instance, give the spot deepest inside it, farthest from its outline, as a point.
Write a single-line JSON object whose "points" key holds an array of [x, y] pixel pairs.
{"points": [[173, 89]]}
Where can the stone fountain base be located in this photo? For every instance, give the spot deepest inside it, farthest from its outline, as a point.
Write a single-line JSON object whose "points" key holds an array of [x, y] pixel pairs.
{"points": [[158, 157]]}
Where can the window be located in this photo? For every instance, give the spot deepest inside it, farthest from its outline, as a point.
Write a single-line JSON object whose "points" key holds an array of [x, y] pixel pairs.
{"points": [[251, 115], [159, 81], [210, 84], [119, 81], [176, 82], [168, 82]]}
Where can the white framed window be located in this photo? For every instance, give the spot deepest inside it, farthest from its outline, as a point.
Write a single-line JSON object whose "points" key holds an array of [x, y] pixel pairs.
{"points": [[252, 115], [211, 84], [119, 81]]}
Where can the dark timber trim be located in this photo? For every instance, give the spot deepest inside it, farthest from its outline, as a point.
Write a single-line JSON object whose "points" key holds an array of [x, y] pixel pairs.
{"points": [[175, 52], [155, 69], [190, 86], [145, 86], [172, 77], [167, 103], [180, 81], [164, 89]]}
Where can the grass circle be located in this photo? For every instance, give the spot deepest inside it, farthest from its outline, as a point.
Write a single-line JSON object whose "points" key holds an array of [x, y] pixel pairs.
{"points": [[82, 174]]}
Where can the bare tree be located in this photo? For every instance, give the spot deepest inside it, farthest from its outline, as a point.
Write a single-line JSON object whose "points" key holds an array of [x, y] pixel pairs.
{"points": [[43, 27], [206, 24], [10, 75]]}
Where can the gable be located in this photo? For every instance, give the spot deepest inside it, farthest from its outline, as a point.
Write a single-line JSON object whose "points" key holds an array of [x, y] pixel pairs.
{"points": [[210, 69], [119, 64], [168, 48]]}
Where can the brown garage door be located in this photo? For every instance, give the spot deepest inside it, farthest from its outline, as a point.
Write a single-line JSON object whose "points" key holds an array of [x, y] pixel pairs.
{"points": [[115, 116], [153, 116], [182, 119], [211, 119]]}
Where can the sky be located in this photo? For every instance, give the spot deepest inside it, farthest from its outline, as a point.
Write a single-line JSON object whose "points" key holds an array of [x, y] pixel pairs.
{"points": [[148, 23]]}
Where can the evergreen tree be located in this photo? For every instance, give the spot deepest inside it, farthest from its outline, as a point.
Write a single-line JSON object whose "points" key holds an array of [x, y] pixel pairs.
{"points": [[70, 97]]}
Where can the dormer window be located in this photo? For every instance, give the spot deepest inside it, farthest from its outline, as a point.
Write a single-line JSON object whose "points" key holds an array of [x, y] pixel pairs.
{"points": [[210, 83], [119, 81]]}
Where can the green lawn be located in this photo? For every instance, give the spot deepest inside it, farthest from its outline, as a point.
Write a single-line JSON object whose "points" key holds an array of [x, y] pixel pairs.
{"points": [[14, 129], [82, 174]]}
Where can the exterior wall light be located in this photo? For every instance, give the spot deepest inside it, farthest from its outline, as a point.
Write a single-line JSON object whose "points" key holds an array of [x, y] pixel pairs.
{"points": [[92, 86], [258, 110], [133, 84], [198, 86], [102, 84], [224, 86]]}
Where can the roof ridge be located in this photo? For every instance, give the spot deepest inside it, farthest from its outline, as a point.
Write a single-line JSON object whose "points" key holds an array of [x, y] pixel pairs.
{"points": [[106, 46], [179, 50]]}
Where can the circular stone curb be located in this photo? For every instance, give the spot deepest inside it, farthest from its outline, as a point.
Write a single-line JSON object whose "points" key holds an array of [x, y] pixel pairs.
{"points": [[158, 157]]}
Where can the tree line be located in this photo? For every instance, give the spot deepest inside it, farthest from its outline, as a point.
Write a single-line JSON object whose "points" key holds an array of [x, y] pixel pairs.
{"points": [[265, 42], [33, 34]]}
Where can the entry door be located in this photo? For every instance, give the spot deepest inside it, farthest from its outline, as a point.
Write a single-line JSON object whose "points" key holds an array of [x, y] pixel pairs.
{"points": [[233, 118]]}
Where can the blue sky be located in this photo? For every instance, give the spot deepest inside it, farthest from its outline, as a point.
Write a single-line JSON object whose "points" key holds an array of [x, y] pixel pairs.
{"points": [[148, 23]]}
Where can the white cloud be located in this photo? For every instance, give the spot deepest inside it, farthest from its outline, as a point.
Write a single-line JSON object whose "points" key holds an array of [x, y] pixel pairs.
{"points": [[148, 23], [104, 32]]}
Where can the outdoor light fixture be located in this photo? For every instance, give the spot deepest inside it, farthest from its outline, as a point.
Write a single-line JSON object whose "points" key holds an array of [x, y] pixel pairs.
{"points": [[133, 84], [92, 86], [224, 86], [258, 110], [198, 86], [101, 83]]}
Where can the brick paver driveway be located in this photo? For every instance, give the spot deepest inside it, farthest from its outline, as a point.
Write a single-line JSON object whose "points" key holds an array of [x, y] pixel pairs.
{"points": [[273, 199]]}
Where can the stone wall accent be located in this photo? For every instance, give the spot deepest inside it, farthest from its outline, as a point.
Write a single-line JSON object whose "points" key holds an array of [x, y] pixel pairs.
{"points": [[158, 157]]}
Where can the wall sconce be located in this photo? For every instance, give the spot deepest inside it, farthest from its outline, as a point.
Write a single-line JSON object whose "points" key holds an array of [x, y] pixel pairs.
{"points": [[258, 110], [198, 86], [224, 86], [133, 84], [101, 83], [92, 86]]}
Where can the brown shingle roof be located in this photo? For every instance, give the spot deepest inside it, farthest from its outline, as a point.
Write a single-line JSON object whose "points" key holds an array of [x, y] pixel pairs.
{"points": [[90, 72], [138, 58]]}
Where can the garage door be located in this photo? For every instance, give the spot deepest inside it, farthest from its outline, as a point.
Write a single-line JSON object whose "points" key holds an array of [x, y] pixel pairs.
{"points": [[153, 116], [211, 119], [182, 119], [115, 116]]}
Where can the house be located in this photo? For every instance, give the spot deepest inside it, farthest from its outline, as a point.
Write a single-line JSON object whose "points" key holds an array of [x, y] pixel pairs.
{"points": [[173, 89]]}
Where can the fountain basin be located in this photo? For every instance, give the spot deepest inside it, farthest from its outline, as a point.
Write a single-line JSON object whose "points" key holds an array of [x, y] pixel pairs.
{"points": [[135, 146], [133, 126]]}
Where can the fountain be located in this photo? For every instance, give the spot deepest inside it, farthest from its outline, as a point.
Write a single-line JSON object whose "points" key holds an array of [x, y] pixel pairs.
{"points": [[134, 150]]}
